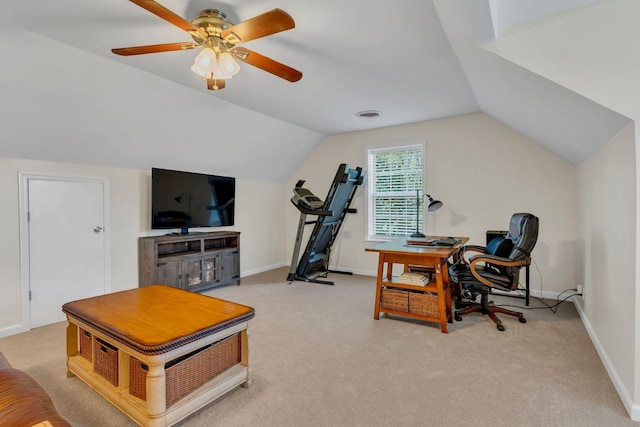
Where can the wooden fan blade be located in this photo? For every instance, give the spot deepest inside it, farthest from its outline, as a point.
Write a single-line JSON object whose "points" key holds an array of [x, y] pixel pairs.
{"points": [[266, 64], [177, 20], [154, 48], [268, 23], [215, 84]]}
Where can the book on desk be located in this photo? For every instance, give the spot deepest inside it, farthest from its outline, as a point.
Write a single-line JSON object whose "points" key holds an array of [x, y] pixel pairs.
{"points": [[431, 241], [413, 278]]}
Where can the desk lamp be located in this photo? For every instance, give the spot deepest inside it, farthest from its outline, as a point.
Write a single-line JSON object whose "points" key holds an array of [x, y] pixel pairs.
{"points": [[432, 206]]}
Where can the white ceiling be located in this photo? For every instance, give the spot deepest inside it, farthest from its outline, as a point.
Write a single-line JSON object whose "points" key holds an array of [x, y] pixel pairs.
{"points": [[413, 60], [354, 55]]}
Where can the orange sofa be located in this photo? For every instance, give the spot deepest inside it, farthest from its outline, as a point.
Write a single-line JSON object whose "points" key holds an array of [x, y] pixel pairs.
{"points": [[23, 402]]}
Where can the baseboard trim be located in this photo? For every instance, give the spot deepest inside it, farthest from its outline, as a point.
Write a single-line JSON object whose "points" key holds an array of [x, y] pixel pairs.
{"points": [[633, 409], [263, 269], [12, 330], [356, 271]]}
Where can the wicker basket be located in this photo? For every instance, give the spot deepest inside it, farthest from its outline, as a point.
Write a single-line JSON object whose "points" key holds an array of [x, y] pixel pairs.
{"points": [[106, 361], [424, 303], [138, 378], [85, 344], [394, 299], [187, 373]]}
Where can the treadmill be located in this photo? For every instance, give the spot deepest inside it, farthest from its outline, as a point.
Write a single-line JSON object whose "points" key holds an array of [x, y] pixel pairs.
{"points": [[330, 213]]}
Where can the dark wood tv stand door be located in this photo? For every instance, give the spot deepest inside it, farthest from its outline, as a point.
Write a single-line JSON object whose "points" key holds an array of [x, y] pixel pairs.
{"points": [[194, 261]]}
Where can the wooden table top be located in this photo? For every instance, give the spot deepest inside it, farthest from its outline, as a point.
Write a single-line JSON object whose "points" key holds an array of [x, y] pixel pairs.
{"points": [[400, 246], [156, 319]]}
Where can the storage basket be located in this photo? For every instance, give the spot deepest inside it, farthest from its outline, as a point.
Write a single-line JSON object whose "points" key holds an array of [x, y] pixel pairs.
{"points": [[424, 303], [187, 373], [138, 378], [85, 344], [394, 299], [106, 361]]}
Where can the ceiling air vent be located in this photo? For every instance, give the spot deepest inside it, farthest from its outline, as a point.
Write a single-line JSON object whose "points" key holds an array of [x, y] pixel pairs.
{"points": [[369, 114]]}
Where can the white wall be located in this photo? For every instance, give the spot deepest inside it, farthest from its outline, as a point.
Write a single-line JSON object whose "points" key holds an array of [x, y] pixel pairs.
{"points": [[258, 217], [481, 170], [564, 48], [607, 213], [602, 66]]}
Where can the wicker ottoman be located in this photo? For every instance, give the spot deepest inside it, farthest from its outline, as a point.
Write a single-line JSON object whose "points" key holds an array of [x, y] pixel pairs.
{"points": [[158, 353]]}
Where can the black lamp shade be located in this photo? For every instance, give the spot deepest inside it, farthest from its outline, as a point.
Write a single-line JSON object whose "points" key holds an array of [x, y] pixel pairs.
{"points": [[433, 205]]}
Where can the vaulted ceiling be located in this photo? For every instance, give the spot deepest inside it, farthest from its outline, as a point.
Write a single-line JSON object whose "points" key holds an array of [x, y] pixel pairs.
{"points": [[66, 97]]}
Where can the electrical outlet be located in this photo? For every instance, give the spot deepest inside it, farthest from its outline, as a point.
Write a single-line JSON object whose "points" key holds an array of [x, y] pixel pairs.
{"points": [[579, 289]]}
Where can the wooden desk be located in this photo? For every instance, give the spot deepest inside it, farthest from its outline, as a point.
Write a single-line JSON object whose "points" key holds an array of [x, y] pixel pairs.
{"points": [[439, 293], [158, 353]]}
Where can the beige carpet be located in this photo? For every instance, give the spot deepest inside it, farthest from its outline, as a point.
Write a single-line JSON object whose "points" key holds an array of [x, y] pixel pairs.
{"points": [[320, 359]]}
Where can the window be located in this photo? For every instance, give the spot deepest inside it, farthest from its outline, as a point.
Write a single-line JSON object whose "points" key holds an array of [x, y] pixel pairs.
{"points": [[395, 174]]}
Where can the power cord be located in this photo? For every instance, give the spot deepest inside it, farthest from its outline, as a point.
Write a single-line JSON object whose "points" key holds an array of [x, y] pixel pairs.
{"points": [[554, 307]]}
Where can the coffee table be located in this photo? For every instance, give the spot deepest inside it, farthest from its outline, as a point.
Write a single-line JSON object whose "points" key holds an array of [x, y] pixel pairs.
{"points": [[158, 353]]}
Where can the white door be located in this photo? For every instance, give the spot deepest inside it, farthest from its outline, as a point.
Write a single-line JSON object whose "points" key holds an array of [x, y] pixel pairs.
{"points": [[66, 245]]}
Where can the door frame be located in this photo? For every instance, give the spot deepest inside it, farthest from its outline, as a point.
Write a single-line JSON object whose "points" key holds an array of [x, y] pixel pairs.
{"points": [[23, 198]]}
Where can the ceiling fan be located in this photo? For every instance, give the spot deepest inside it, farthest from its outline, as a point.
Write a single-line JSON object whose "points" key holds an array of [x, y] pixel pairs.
{"points": [[218, 38]]}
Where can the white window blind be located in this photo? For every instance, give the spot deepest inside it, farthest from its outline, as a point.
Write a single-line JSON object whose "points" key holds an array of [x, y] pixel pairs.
{"points": [[395, 174]]}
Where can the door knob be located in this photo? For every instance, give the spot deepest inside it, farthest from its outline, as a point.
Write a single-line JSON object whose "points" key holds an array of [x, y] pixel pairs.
{"points": [[97, 229]]}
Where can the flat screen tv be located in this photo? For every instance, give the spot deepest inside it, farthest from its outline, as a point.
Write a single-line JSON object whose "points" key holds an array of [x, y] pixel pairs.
{"points": [[183, 200]]}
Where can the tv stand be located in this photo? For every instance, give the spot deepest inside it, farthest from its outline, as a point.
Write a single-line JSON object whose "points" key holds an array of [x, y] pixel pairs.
{"points": [[193, 262]]}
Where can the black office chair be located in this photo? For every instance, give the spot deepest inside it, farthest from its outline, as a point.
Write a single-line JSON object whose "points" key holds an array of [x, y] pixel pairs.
{"points": [[497, 267]]}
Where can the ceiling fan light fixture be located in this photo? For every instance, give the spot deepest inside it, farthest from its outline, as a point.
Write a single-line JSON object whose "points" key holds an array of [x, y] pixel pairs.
{"points": [[205, 63], [227, 66], [217, 36], [221, 66]]}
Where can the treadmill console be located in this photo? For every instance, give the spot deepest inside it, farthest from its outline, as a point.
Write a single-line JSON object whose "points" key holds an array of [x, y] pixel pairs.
{"points": [[305, 200]]}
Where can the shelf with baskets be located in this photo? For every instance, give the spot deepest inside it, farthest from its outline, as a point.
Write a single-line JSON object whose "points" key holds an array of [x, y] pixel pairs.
{"points": [[191, 375], [421, 302]]}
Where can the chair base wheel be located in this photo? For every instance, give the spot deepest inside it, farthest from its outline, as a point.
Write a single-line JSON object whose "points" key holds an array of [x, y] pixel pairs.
{"points": [[490, 311]]}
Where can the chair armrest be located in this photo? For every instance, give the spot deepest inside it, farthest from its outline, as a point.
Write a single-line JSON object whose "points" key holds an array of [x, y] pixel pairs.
{"points": [[496, 260], [470, 248], [475, 248]]}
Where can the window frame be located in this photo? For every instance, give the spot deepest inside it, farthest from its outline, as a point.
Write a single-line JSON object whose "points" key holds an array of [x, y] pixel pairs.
{"points": [[371, 178]]}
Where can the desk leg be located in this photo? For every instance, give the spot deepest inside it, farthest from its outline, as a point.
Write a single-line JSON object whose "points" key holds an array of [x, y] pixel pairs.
{"points": [[447, 291], [376, 309], [442, 297]]}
